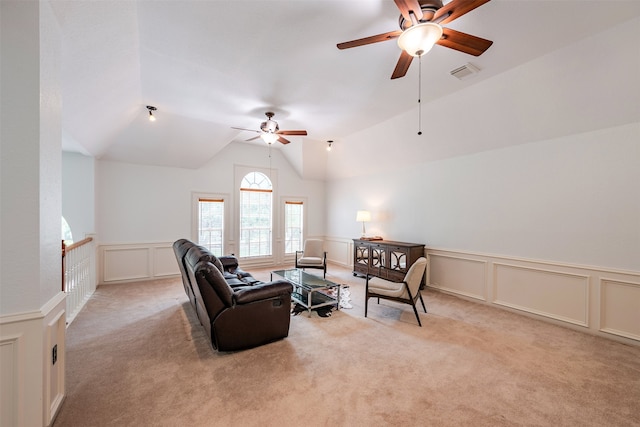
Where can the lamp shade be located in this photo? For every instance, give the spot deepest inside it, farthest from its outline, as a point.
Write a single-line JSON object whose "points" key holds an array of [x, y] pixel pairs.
{"points": [[269, 137], [363, 216], [420, 38]]}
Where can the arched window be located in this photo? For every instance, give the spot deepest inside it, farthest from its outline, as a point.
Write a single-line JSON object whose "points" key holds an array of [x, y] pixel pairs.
{"points": [[256, 213], [66, 232]]}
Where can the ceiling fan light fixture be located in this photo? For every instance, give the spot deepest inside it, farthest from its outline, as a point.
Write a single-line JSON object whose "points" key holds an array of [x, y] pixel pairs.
{"points": [[420, 38], [269, 137], [151, 109], [269, 126]]}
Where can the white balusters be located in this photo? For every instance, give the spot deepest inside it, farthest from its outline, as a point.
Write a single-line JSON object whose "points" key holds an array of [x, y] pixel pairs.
{"points": [[79, 275]]}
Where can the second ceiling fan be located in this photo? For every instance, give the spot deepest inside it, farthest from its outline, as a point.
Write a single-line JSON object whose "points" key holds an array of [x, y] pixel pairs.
{"points": [[270, 131], [420, 28]]}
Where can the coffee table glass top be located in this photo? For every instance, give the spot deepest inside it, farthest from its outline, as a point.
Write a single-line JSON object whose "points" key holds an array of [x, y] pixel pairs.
{"points": [[309, 290], [304, 280]]}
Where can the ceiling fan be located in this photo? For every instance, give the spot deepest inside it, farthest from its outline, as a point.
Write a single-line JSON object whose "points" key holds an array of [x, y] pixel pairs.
{"points": [[420, 28], [270, 131]]}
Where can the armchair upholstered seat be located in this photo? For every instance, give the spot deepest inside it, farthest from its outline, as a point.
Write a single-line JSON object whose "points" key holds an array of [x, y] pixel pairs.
{"points": [[313, 256], [407, 291]]}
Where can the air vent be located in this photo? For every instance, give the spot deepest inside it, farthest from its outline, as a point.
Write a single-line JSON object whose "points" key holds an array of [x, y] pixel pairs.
{"points": [[465, 71]]}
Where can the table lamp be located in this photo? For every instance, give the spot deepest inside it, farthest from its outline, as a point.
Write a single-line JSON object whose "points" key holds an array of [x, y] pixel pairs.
{"points": [[363, 216]]}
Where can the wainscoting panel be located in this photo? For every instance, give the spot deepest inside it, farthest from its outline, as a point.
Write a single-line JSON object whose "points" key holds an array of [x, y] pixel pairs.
{"points": [[620, 308], [54, 372], [456, 274], [126, 263], [165, 263], [600, 301], [31, 386], [133, 262], [11, 352], [339, 251], [558, 295]]}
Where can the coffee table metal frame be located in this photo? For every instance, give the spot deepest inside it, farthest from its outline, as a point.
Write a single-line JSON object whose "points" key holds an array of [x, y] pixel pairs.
{"points": [[310, 290]]}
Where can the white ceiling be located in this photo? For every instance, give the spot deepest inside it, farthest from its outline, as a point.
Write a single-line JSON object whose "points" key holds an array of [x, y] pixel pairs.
{"points": [[210, 65]]}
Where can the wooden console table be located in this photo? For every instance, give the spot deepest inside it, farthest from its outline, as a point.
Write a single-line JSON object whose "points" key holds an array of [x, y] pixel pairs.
{"points": [[384, 258]]}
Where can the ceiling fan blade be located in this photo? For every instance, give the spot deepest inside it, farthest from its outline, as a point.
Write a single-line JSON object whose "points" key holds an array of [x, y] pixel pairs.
{"points": [[251, 139], [369, 40], [457, 8], [464, 42], [292, 132], [282, 140], [407, 6], [250, 130], [402, 66]]}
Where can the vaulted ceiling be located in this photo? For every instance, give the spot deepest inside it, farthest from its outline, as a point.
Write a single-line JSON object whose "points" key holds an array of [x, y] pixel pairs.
{"points": [[211, 65]]}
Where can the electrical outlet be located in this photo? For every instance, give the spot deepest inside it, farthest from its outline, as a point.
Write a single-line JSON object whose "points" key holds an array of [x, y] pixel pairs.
{"points": [[54, 354]]}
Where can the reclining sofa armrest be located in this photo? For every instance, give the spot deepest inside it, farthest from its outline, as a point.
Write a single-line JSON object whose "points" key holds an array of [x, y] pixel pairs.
{"points": [[263, 291], [229, 262]]}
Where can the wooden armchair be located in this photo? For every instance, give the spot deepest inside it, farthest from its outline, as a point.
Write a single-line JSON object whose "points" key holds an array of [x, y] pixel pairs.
{"points": [[406, 292]]}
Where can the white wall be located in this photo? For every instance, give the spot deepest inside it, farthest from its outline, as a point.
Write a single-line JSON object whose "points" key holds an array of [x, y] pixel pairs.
{"points": [[142, 210], [149, 204], [78, 194], [542, 161], [32, 309], [31, 163], [573, 199]]}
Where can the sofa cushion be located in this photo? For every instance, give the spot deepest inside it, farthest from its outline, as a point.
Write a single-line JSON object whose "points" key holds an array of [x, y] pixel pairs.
{"points": [[180, 248], [200, 253], [214, 277], [218, 264], [234, 282], [310, 260], [212, 258], [277, 288]]}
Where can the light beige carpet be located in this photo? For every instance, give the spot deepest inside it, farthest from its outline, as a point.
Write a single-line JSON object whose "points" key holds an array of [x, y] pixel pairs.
{"points": [[137, 356]]}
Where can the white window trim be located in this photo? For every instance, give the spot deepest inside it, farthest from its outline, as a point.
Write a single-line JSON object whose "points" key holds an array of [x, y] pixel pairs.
{"points": [[305, 224], [228, 221], [239, 173]]}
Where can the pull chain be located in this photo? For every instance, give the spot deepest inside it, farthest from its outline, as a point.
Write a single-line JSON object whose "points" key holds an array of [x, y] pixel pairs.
{"points": [[270, 161], [419, 95]]}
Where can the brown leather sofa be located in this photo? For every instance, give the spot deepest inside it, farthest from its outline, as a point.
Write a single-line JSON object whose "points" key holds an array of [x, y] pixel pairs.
{"points": [[236, 310]]}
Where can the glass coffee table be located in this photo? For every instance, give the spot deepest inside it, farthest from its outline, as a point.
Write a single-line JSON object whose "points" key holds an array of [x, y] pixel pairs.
{"points": [[310, 291]]}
